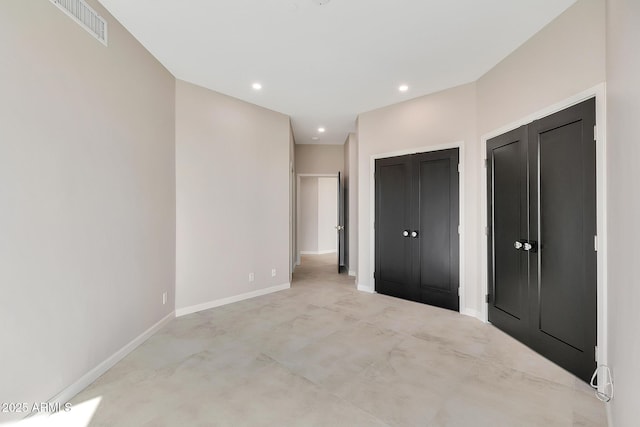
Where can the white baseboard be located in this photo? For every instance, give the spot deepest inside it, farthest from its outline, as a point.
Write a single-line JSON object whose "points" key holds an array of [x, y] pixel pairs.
{"points": [[352, 273], [472, 313], [229, 300], [333, 251], [365, 288], [609, 415], [68, 393]]}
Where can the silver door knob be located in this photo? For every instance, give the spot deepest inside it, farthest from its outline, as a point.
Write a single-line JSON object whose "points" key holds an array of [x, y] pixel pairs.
{"points": [[517, 245], [405, 233], [339, 227], [414, 234], [527, 246]]}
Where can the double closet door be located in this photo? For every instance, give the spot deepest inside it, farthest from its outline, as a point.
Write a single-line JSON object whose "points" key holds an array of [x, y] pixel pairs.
{"points": [[542, 234], [416, 227]]}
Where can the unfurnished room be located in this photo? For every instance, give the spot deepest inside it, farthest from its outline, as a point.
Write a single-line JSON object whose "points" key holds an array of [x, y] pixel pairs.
{"points": [[319, 213]]}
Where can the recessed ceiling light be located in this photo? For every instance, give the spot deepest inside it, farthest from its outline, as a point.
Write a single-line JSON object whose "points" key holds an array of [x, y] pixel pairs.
{"points": [[321, 130], [315, 138], [403, 88], [256, 86]]}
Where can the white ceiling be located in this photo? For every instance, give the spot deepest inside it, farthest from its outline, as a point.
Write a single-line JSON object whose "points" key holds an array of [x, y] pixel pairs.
{"points": [[324, 64]]}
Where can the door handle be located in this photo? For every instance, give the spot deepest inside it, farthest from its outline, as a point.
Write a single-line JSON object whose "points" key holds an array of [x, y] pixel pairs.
{"points": [[405, 233], [518, 245], [414, 234], [530, 246], [339, 227]]}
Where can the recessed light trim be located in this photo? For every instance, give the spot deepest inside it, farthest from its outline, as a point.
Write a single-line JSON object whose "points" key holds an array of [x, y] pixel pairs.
{"points": [[321, 129], [256, 86], [403, 88]]}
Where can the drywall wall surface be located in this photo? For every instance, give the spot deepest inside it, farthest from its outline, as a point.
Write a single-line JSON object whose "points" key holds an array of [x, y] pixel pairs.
{"points": [[293, 246], [351, 201], [87, 192], [563, 59], [308, 223], [427, 123], [319, 159], [623, 143], [232, 207], [327, 214]]}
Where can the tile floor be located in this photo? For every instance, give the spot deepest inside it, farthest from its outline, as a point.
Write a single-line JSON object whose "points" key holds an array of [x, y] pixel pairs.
{"points": [[324, 354]]}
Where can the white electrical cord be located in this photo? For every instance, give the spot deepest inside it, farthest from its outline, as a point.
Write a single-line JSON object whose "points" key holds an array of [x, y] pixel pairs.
{"points": [[607, 388]]}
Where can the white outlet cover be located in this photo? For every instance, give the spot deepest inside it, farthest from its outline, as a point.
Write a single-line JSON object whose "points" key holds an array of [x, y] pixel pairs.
{"points": [[251, 277], [273, 272]]}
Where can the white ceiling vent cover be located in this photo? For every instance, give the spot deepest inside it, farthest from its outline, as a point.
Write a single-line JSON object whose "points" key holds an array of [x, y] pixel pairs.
{"points": [[84, 15]]}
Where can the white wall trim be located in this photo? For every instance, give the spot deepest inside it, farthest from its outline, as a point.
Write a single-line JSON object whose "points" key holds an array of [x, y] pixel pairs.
{"points": [[83, 382], [330, 251], [599, 92], [229, 300], [472, 313], [461, 210], [366, 289]]}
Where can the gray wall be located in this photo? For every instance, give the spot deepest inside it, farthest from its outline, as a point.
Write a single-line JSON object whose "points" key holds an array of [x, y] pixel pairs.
{"points": [[232, 181], [319, 159], [308, 223], [351, 205], [563, 59], [327, 214], [623, 103], [87, 192]]}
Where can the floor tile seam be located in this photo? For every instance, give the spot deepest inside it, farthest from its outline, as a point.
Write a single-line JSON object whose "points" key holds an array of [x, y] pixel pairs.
{"points": [[322, 389], [469, 377], [355, 404], [533, 375], [453, 393], [366, 411]]}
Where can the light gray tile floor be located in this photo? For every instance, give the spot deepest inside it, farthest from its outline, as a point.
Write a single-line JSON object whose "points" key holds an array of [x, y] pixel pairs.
{"points": [[324, 354]]}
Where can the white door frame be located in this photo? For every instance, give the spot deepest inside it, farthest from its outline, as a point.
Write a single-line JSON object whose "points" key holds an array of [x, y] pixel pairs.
{"points": [[599, 92], [298, 176], [461, 210]]}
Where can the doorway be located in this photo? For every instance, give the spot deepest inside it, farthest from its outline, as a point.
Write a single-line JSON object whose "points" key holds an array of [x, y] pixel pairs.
{"points": [[320, 221]]}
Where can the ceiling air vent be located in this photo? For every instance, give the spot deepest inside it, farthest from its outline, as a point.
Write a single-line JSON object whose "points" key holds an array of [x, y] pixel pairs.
{"points": [[84, 15]]}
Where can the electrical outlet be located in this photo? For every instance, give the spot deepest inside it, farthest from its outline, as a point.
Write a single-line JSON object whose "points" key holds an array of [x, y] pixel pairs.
{"points": [[164, 298], [252, 277], [273, 272]]}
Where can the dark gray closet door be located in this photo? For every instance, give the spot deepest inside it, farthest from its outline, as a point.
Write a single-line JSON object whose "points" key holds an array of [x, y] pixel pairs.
{"points": [[562, 158], [393, 226], [508, 230], [437, 217], [416, 227], [542, 222]]}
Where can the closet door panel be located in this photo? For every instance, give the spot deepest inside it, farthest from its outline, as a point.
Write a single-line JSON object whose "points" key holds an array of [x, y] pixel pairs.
{"points": [[393, 217], [437, 218], [435, 223], [562, 268], [508, 266], [563, 206]]}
